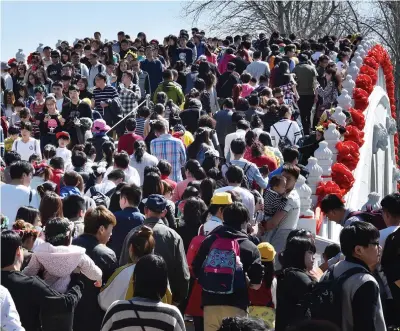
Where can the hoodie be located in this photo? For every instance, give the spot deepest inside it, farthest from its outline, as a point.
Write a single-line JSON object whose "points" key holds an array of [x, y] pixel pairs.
{"points": [[224, 62], [173, 91], [59, 262], [249, 257]]}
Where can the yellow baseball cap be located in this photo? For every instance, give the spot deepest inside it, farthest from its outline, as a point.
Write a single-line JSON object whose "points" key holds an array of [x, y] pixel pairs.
{"points": [[222, 198], [267, 252]]}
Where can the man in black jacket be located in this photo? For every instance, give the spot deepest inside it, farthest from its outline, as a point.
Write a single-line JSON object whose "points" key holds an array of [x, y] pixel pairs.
{"points": [[219, 306], [39, 306], [227, 81], [99, 223]]}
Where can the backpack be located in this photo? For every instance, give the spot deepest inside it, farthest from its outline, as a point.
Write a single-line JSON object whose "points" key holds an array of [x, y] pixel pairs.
{"points": [[374, 217], [324, 301], [284, 141], [245, 181], [222, 271], [99, 198]]}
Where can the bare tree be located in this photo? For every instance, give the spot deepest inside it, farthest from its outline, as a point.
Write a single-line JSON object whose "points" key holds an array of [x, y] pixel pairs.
{"points": [[306, 19]]}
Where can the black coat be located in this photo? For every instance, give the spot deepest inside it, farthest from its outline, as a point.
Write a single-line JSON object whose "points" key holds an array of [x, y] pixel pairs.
{"points": [[88, 314], [225, 84], [292, 285]]}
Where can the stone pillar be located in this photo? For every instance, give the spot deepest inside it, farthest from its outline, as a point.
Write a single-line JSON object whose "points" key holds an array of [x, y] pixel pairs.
{"points": [[358, 60], [306, 219], [338, 116], [373, 202], [39, 49], [314, 177], [20, 56], [344, 100], [353, 70], [324, 156], [332, 137], [348, 85]]}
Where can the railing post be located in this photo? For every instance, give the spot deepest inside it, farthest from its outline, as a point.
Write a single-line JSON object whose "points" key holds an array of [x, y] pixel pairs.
{"points": [[332, 137], [306, 219], [314, 178], [324, 157]]}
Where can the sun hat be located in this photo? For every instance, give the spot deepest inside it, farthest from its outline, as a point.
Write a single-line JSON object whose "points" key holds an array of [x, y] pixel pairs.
{"points": [[222, 198], [100, 125], [63, 135], [267, 252]]}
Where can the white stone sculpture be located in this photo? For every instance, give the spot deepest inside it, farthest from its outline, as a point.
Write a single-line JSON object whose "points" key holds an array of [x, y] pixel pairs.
{"points": [[58, 43], [314, 177], [306, 219], [20, 56], [324, 157], [332, 137], [344, 100], [75, 41], [349, 84], [391, 125], [339, 116], [353, 70], [379, 139], [358, 59], [396, 174], [362, 52], [39, 49], [373, 202]]}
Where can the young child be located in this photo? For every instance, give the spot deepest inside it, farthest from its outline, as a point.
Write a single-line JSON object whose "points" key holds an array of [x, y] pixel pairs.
{"points": [[13, 133], [71, 182], [62, 151], [274, 199], [143, 115], [58, 258], [263, 300]]}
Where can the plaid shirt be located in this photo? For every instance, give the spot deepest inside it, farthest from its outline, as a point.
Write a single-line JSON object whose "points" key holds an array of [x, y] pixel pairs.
{"points": [[171, 149], [129, 97]]}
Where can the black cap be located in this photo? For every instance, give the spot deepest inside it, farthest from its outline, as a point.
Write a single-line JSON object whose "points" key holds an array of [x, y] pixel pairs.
{"points": [[156, 203]]}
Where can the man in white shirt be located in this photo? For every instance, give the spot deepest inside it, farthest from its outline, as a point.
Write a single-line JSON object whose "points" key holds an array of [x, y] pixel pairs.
{"points": [[121, 161], [234, 175], [96, 68], [6, 76], [391, 215], [285, 128], [18, 193], [284, 221], [242, 128], [258, 67]]}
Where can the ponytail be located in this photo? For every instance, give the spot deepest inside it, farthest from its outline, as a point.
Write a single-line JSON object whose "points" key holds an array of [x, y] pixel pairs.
{"points": [[140, 149]]}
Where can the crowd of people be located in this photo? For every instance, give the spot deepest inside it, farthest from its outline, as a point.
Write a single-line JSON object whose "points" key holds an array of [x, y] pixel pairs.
{"points": [[150, 185]]}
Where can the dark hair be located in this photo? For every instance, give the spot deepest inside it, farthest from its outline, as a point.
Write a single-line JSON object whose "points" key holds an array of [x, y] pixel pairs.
{"points": [[331, 202], [234, 174], [26, 126], [10, 242], [296, 248], [149, 169], [130, 124], [57, 162], [144, 111], [167, 74], [132, 193], [97, 217], [194, 167], [108, 149], [34, 158], [243, 125], [71, 178], [49, 151], [291, 170], [11, 157], [250, 138], [235, 215], [78, 159], [89, 149], [228, 103], [276, 180], [152, 184], [201, 138], [314, 325], [331, 251], [51, 206], [140, 148], [165, 167], [142, 241], [207, 188], [121, 160], [19, 168], [358, 233], [206, 121], [190, 191], [242, 324], [238, 146], [391, 204], [72, 205], [46, 187], [116, 174], [152, 281], [193, 210], [58, 231], [28, 214]]}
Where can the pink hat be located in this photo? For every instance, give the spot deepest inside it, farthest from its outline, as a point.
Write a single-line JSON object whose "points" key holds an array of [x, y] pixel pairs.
{"points": [[100, 126]]}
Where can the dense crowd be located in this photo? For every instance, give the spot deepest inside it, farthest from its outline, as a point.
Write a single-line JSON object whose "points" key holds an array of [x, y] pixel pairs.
{"points": [[148, 185]]}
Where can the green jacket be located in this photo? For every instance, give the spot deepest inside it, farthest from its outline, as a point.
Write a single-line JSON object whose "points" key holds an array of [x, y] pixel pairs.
{"points": [[173, 91]]}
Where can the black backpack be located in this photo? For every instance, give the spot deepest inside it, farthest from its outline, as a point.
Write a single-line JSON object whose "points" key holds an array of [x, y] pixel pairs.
{"points": [[324, 301], [99, 198], [374, 217], [284, 141], [245, 182]]}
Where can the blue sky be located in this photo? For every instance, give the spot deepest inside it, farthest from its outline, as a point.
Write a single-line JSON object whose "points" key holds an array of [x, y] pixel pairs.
{"points": [[25, 24]]}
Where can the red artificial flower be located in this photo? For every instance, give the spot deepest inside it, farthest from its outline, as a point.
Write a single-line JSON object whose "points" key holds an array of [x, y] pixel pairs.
{"points": [[358, 118], [369, 71], [371, 62], [354, 134], [348, 154], [364, 82], [329, 187], [342, 176], [360, 99]]}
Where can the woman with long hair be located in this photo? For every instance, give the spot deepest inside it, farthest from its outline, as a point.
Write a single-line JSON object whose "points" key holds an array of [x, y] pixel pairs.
{"points": [[180, 66], [284, 79], [19, 77], [172, 48], [200, 145], [42, 174], [22, 91], [9, 99], [50, 207], [273, 152], [32, 80], [83, 88], [193, 171], [329, 91], [122, 67], [108, 149], [207, 188], [44, 80], [295, 279], [140, 159]]}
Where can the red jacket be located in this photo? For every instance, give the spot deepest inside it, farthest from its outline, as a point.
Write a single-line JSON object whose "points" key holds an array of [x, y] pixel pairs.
{"points": [[57, 175], [126, 142]]}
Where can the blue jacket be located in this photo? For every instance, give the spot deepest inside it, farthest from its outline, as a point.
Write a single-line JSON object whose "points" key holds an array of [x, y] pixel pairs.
{"points": [[69, 190], [154, 69], [127, 219]]}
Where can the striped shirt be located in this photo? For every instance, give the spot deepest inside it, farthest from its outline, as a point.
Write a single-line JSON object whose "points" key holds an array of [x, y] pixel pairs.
{"points": [[100, 95], [171, 149], [141, 314], [140, 126], [273, 202]]}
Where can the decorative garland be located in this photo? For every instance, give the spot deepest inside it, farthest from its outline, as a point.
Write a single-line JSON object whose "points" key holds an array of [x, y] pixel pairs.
{"points": [[349, 150]]}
